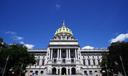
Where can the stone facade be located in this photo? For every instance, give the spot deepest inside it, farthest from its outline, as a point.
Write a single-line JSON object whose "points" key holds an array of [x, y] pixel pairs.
{"points": [[65, 57]]}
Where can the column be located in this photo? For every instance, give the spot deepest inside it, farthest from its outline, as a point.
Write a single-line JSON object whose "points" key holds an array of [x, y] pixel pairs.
{"points": [[60, 70], [86, 60], [56, 70], [91, 61], [67, 71], [40, 61], [96, 61], [70, 71], [75, 54], [51, 53], [69, 53], [58, 54]]}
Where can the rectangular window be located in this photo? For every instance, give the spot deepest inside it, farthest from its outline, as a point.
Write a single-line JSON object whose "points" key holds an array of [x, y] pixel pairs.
{"points": [[84, 61], [72, 60], [63, 53], [94, 62], [37, 61], [54, 53], [72, 53], [98, 61], [42, 61], [88, 61]]}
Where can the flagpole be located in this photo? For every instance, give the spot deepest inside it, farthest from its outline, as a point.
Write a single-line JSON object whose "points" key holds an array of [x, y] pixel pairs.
{"points": [[5, 65]]}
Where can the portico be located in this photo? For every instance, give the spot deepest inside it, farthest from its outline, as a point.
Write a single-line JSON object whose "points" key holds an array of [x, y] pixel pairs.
{"points": [[60, 53]]}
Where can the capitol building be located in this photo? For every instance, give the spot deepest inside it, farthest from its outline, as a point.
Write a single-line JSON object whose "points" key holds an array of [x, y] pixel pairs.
{"points": [[64, 57]]}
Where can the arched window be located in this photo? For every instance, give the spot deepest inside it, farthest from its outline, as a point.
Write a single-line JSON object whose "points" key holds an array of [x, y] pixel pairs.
{"points": [[41, 72], [85, 72], [31, 71], [36, 72], [90, 72]]}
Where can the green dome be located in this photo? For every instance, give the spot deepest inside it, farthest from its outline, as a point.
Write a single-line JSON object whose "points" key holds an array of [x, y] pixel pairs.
{"points": [[63, 29]]}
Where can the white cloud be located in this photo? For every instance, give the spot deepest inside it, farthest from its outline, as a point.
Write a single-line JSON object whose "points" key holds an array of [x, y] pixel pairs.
{"points": [[14, 35], [10, 32], [88, 47], [29, 46], [120, 38], [58, 6], [21, 42], [17, 38]]}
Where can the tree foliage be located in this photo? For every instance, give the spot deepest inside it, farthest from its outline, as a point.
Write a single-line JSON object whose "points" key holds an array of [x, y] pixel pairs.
{"points": [[112, 63], [16, 57]]}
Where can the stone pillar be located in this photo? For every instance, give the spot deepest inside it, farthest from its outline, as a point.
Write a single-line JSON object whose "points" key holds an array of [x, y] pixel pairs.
{"points": [[86, 62], [56, 70], [67, 71], [75, 54], [69, 54], [70, 71], [60, 70], [96, 60], [51, 53], [58, 54], [91, 61], [40, 61]]}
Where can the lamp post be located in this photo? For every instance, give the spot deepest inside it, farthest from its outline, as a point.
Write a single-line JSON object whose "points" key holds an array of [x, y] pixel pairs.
{"points": [[123, 66], [5, 65], [21, 69], [107, 70]]}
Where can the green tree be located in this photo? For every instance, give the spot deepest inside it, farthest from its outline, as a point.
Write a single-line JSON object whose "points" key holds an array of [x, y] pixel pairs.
{"points": [[116, 61], [16, 57]]}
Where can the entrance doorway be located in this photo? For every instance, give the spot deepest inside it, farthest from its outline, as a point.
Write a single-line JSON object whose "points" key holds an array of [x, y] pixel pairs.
{"points": [[73, 71], [63, 71], [54, 71]]}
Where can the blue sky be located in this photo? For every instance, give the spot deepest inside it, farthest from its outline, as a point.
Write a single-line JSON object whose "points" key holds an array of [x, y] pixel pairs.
{"points": [[93, 22]]}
